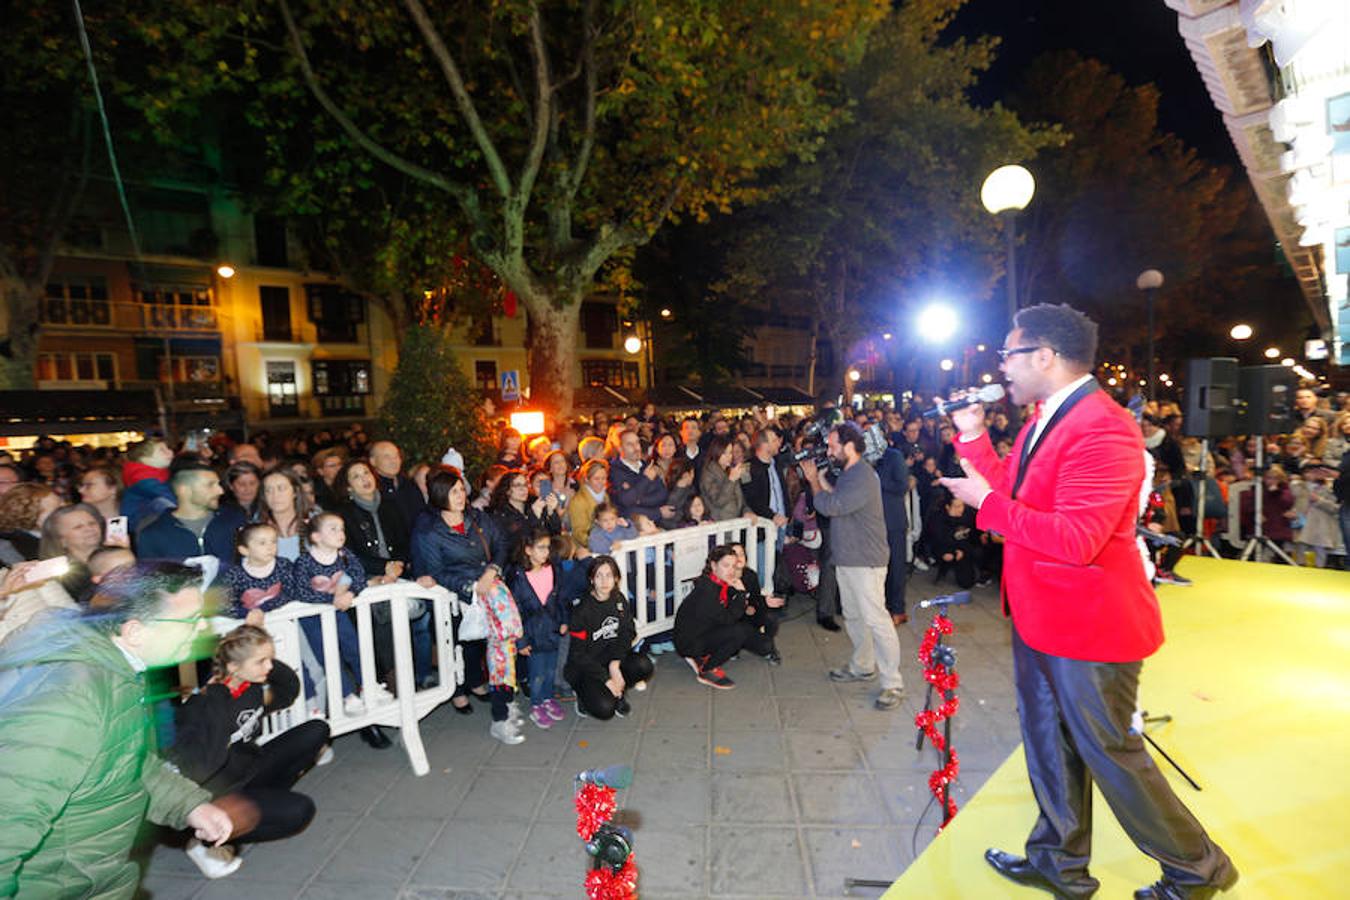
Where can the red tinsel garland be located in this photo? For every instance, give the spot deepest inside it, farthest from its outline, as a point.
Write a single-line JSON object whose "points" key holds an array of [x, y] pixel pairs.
{"points": [[595, 805], [944, 681], [605, 884]]}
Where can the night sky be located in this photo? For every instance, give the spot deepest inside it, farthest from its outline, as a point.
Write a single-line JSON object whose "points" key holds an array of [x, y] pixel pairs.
{"points": [[1137, 38]]}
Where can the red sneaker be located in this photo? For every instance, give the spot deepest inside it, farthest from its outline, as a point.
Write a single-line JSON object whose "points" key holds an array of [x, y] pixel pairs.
{"points": [[715, 678]]}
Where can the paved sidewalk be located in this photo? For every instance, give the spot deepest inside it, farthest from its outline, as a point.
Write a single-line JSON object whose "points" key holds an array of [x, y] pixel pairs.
{"points": [[781, 787]]}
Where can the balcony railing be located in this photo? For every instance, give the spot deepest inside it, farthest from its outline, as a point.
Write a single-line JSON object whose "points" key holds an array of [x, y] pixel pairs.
{"points": [[113, 316]]}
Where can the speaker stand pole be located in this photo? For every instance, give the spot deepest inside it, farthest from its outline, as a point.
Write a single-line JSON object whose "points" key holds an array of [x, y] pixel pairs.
{"points": [[1198, 540], [1259, 540]]}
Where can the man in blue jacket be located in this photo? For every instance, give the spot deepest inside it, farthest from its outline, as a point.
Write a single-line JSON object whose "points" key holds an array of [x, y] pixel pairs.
{"points": [[198, 527], [637, 490]]}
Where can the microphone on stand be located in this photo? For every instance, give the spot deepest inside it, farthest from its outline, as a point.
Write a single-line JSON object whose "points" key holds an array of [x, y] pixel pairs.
{"points": [[617, 777], [987, 394], [957, 599]]}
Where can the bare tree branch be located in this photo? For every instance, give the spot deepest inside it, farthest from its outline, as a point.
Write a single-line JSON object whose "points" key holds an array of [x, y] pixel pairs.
{"points": [[496, 168], [543, 106], [362, 140]]}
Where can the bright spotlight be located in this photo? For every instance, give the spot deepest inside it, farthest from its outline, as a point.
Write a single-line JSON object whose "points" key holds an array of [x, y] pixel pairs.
{"points": [[1287, 362], [1272, 353], [886, 336], [986, 378], [946, 365], [1240, 332], [854, 375], [937, 323], [632, 343], [225, 271], [1111, 381], [980, 348]]}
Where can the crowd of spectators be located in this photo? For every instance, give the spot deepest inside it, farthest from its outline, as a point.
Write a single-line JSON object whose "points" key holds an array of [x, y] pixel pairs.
{"points": [[318, 516]]}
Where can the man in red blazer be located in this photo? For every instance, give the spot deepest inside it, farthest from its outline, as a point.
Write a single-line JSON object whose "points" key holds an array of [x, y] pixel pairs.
{"points": [[1084, 616]]}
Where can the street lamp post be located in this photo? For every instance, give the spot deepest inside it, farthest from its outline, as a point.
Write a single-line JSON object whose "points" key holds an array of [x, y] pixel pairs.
{"points": [[1149, 281], [1006, 191]]}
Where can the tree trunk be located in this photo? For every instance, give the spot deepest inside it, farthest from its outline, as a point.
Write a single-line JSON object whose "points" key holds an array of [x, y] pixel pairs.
{"points": [[18, 332], [551, 345]]}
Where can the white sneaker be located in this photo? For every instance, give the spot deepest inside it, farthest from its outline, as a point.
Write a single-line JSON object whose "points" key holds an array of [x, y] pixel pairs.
{"points": [[640, 686], [507, 732], [513, 714], [215, 862], [353, 705], [378, 695], [325, 755]]}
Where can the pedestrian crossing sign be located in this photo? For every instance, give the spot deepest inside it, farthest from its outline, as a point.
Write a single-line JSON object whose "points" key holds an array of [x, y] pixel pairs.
{"points": [[511, 385]]}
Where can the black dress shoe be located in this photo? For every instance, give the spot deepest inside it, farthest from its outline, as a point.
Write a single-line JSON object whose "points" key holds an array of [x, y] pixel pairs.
{"points": [[465, 710], [1167, 889], [773, 658], [374, 736], [828, 623], [1019, 870]]}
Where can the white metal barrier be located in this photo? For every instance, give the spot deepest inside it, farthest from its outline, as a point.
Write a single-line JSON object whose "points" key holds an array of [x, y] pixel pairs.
{"points": [[1233, 533], [411, 704], [658, 570]]}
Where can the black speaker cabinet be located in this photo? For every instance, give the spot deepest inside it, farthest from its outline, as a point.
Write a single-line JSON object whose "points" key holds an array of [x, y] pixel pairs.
{"points": [[1211, 397], [1267, 393]]}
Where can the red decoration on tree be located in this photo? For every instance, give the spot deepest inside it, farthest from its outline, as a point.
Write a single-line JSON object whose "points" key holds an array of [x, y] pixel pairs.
{"points": [[509, 302], [595, 805], [927, 721], [606, 884]]}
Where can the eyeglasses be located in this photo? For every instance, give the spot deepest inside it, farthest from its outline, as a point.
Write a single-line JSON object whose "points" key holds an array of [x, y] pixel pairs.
{"points": [[1013, 351], [190, 620]]}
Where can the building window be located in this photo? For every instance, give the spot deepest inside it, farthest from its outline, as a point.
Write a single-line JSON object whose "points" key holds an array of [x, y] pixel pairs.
{"points": [[341, 377], [609, 373], [485, 374], [282, 399], [343, 405], [269, 237], [334, 312], [77, 300], [177, 306], [77, 367], [276, 313], [600, 322], [190, 369]]}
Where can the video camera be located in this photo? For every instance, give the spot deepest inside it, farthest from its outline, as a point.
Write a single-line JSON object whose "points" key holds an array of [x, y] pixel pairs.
{"points": [[814, 434]]}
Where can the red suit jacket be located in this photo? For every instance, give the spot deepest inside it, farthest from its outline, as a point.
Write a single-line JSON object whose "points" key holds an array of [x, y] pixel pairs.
{"points": [[1073, 577]]}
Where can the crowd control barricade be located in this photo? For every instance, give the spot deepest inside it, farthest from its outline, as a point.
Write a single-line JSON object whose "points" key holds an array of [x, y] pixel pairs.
{"points": [[411, 704], [1233, 533], [657, 571]]}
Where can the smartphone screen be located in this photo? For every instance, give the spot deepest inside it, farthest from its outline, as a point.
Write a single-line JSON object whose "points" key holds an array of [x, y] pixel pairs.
{"points": [[117, 532]]}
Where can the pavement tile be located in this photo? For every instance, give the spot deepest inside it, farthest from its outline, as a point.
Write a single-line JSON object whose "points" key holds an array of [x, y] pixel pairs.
{"points": [[435, 794], [837, 750], [597, 749], [751, 797], [839, 853], [828, 798], [296, 859], [758, 862], [813, 713], [748, 750], [380, 852], [671, 862], [745, 712], [669, 801], [680, 712], [499, 794], [663, 751], [553, 858], [237, 886], [159, 886], [472, 856]]}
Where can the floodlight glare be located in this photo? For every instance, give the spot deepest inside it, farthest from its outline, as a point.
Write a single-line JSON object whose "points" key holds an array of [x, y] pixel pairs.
{"points": [[937, 323], [946, 365], [1272, 353], [1240, 332]]}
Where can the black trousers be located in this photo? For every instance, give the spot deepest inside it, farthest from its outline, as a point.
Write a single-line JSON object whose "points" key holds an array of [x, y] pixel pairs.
{"points": [[595, 697], [282, 811], [966, 568], [1075, 718], [720, 644], [827, 591]]}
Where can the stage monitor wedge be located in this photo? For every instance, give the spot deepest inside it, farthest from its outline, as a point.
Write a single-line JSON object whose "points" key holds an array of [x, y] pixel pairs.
{"points": [[1268, 399], [1211, 400]]}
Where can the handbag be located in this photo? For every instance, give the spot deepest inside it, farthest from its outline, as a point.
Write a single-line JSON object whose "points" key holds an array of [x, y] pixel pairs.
{"points": [[473, 626]]}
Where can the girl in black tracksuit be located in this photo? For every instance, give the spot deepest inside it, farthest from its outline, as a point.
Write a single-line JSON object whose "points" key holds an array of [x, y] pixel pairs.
{"points": [[216, 728], [601, 662]]}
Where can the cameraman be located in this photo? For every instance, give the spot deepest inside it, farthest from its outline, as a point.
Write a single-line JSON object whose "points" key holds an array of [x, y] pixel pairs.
{"points": [[858, 536]]}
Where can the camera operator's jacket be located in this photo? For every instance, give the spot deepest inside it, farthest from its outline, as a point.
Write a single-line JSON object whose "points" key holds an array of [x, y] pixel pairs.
{"points": [[1073, 577], [78, 771]]}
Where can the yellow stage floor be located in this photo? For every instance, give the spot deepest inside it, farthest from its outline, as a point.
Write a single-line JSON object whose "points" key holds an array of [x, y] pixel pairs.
{"points": [[1256, 673]]}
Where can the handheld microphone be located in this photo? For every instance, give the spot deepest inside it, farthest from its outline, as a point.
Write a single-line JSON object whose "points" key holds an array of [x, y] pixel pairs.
{"points": [[617, 777], [958, 599], [987, 394]]}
